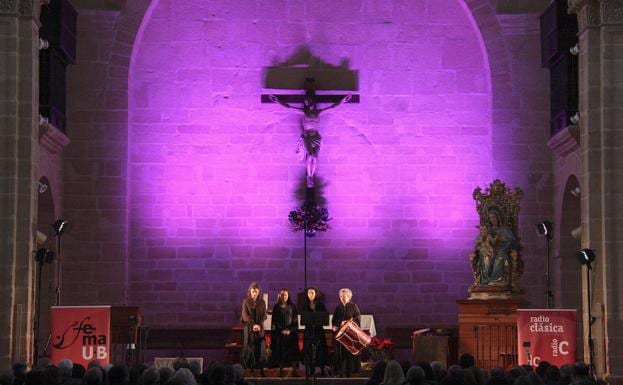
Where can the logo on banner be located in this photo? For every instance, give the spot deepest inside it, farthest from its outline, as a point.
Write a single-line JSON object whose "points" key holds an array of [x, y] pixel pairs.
{"points": [[81, 334], [546, 335], [93, 346], [542, 324]]}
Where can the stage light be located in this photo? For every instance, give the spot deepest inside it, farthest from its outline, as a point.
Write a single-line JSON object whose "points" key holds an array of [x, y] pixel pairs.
{"points": [[43, 44], [586, 257], [43, 255], [42, 187], [575, 50], [544, 229], [61, 226], [575, 192]]}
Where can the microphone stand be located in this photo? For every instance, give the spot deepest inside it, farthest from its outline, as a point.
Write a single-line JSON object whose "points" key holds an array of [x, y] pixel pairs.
{"points": [[57, 302], [548, 293]]}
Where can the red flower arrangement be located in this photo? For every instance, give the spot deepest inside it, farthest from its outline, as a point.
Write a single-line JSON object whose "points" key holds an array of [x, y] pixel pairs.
{"points": [[380, 349]]}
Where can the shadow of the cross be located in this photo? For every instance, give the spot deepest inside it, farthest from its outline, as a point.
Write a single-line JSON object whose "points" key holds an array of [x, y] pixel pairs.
{"points": [[292, 72]]}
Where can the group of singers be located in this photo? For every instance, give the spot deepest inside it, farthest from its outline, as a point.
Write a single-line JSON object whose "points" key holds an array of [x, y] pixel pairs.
{"points": [[284, 332]]}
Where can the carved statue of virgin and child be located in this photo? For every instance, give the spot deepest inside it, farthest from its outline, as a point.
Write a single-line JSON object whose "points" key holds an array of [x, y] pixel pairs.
{"points": [[495, 260]]}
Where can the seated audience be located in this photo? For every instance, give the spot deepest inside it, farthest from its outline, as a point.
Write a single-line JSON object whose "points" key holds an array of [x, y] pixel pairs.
{"points": [[65, 367], [415, 376], [35, 377], [429, 375], [150, 376], [542, 368], [514, 373], [439, 370], [497, 377], [455, 376], [165, 374], [119, 375], [377, 373], [7, 378], [581, 374], [394, 374], [183, 376], [19, 372], [552, 375], [94, 376], [239, 375]]}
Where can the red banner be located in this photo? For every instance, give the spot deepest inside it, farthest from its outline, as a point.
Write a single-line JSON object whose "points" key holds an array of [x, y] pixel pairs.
{"points": [[80, 333], [546, 335]]}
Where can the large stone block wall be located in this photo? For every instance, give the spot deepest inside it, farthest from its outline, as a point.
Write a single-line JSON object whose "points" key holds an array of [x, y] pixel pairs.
{"points": [[213, 172], [19, 80], [452, 97], [95, 166]]}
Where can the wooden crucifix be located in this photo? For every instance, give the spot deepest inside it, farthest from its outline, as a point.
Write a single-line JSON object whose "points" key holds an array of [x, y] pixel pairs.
{"points": [[310, 140]]}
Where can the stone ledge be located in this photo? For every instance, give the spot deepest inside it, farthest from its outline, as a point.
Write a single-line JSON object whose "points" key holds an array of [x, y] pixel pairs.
{"points": [[51, 138], [565, 141]]}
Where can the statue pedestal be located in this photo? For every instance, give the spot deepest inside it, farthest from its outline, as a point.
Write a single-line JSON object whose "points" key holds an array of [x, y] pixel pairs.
{"points": [[488, 331], [489, 292]]}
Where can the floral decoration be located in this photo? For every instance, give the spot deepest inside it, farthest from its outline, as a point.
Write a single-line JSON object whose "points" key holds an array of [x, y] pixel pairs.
{"points": [[380, 349], [310, 218]]}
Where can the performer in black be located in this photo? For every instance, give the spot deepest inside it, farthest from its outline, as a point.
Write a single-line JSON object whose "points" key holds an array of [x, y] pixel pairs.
{"points": [[314, 338], [284, 332], [345, 362], [253, 316]]}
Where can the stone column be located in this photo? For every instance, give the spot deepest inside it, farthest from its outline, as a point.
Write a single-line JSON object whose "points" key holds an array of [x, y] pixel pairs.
{"points": [[19, 127], [601, 152]]}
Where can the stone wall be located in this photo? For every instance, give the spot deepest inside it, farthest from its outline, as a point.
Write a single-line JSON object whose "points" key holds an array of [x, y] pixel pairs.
{"points": [[19, 80], [452, 97]]}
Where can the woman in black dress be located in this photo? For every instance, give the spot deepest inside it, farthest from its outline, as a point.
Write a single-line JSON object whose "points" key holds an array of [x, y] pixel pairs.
{"points": [[253, 316], [284, 332], [314, 342]]}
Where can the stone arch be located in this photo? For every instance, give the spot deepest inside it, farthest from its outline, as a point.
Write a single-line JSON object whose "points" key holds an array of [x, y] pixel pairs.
{"points": [[485, 18], [127, 32]]}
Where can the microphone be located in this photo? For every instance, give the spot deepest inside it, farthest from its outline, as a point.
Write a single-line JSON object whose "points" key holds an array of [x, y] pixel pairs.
{"points": [[526, 344]]}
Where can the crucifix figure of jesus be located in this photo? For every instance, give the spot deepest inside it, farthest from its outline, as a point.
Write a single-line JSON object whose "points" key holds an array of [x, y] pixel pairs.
{"points": [[310, 140]]}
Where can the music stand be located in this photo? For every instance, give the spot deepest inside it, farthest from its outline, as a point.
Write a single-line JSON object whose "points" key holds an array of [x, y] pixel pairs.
{"points": [[313, 320]]}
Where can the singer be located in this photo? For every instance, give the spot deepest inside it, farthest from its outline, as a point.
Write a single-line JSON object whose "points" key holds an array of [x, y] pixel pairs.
{"points": [[253, 316]]}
